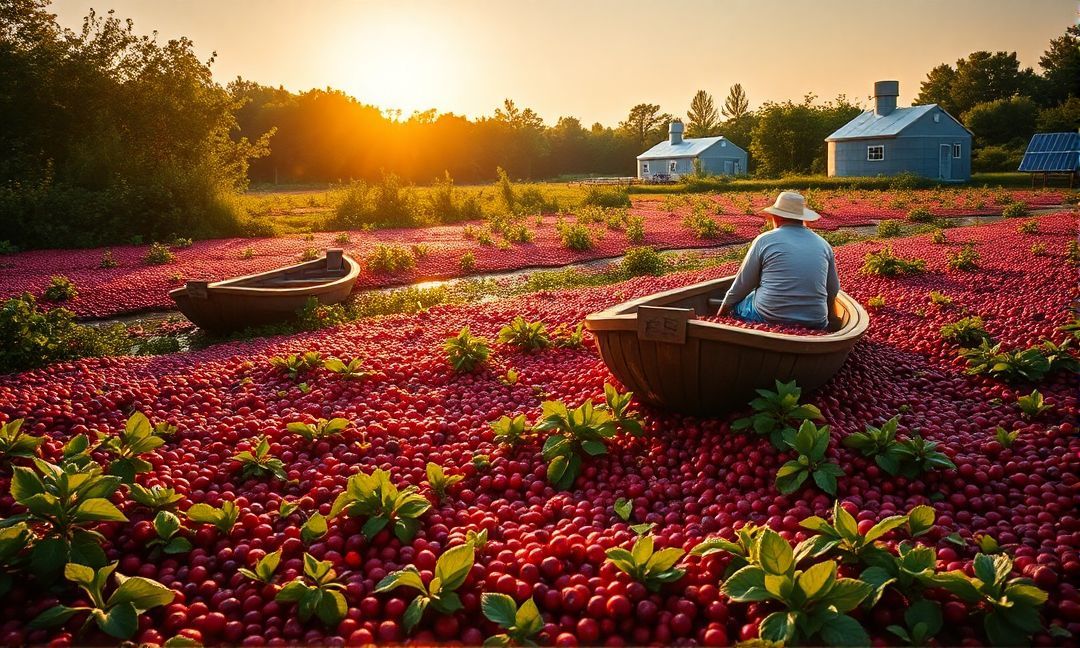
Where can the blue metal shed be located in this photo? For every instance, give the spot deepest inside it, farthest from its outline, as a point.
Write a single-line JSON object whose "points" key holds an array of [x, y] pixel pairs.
{"points": [[675, 157], [887, 140]]}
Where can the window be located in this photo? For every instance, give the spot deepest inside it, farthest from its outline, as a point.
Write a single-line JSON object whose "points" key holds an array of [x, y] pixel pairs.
{"points": [[937, 118], [875, 153], [644, 167], [956, 150], [673, 166]]}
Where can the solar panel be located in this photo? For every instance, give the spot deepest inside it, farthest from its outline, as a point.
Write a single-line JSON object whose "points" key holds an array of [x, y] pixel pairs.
{"points": [[1052, 153]]}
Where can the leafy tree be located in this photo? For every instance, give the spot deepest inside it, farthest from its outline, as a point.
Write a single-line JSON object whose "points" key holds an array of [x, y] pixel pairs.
{"points": [[981, 77], [1002, 121], [1063, 117], [736, 105], [109, 134], [645, 124], [1061, 67], [937, 87], [789, 137], [702, 118]]}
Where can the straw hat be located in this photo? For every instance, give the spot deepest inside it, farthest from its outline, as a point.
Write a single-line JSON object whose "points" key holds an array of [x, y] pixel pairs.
{"points": [[790, 204]]}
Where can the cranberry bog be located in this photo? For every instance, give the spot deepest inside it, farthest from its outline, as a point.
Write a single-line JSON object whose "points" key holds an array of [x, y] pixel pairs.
{"points": [[136, 278], [468, 474]]}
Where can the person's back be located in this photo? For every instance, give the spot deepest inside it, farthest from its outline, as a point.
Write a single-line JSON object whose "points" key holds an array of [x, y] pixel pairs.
{"points": [[788, 276]]}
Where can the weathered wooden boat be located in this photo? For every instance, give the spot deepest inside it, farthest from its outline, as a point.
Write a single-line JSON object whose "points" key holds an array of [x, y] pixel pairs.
{"points": [[267, 297], [656, 348]]}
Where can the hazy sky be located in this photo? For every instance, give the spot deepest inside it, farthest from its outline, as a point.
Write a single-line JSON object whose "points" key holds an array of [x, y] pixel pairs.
{"points": [[592, 59]]}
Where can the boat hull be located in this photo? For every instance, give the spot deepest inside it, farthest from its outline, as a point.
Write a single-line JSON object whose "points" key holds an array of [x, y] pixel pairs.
{"points": [[670, 360], [263, 299]]}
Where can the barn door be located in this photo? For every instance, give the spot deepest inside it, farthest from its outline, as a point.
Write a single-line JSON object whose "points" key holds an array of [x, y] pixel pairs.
{"points": [[945, 162]]}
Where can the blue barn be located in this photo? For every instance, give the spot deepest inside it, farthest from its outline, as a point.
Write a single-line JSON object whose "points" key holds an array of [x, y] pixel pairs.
{"points": [[887, 140], [675, 157]]}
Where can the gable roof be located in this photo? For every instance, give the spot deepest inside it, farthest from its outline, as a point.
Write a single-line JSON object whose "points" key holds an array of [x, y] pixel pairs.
{"points": [[870, 125], [1053, 153], [690, 147]]}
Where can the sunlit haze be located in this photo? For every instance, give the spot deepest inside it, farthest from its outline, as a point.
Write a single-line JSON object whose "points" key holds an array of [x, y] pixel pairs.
{"points": [[592, 60]]}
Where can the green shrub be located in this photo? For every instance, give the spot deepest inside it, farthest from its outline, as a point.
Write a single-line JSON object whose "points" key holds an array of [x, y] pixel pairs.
{"points": [[309, 254], [468, 262], [1028, 227], [920, 215], [159, 254], [1014, 210], [886, 264], [607, 197], [386, 203], [635, 229], [34, 338], [390, 259], [640, 261], [575, 237], [889, 229], [966, 259], [60, 289], [939, 237], [967, 332], [702, 225], [876, 301], [108, 260]]}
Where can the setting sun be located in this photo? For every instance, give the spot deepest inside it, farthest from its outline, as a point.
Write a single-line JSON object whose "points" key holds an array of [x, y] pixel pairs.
{"points": [[393, 59]]}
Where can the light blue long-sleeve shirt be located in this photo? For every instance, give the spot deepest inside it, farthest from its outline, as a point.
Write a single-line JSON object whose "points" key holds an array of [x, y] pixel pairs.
{"points": [[794, 273]]}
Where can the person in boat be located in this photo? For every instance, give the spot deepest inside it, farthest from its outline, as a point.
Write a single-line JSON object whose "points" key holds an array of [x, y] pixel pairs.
{"points": [[789, 274]]}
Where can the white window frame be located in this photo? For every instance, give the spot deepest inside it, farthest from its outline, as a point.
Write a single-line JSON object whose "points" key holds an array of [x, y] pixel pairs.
{"points": [[871, 147], [673, 166], [644, 167], [956, 150]]}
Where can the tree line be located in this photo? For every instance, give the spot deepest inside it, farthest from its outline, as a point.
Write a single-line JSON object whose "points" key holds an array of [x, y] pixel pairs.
{"points": [[109, 134]]}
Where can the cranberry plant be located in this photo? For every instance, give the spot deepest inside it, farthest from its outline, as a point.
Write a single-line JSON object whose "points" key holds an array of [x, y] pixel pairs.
{"points": [[741, 549], [884, 263], [440, 594], [351, 370], [320, 429], [222, 518], [438, 481], [879, 443], [919, 455], [966, 259], [154, 497], [842, 536], [810, 442], [1033, 405], [14, 540], [815, 600], [466, 352], [62, 505], [777, 413], [967, 332], [923, 620], [258, 463], [520, 623], [169, 535], [296, 365], [374, 497], [16, 444], [574, 433], [1010, 606], [524, 335], [117, 615], [264, 568], [136, 439], [509, 431], [317, 593], [618, 404], [651, 568]]}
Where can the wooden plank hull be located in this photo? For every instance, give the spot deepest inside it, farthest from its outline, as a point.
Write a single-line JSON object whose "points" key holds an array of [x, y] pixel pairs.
{"points": [[709, 368], [266, 298]]}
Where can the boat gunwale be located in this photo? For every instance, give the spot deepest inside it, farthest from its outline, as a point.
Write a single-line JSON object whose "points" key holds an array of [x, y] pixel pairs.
{"points": [[228, 287], [616, 318]]}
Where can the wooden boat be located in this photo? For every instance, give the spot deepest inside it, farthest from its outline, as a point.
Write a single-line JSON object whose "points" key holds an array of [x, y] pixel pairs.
{"points": [[267, 297], [656, 348]]}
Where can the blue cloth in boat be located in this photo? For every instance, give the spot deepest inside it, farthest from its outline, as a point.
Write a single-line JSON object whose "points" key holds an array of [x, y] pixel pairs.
{"points": [[745, 310], [791, 272]]}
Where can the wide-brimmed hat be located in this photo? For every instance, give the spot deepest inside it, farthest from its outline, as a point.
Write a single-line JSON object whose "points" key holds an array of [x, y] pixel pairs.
{"points": [[791, 204]]}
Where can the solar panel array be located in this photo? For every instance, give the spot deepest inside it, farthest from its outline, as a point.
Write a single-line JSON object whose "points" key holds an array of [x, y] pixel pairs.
{"points": [[1052, 153]]}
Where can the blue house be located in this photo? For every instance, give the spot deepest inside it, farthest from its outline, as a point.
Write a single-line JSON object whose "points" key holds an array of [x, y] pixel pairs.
{"points": [[887, 140], [674, 158]]}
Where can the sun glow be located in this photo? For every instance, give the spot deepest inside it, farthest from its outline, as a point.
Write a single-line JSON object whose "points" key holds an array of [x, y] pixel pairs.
{"points": [[395, 61]]}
